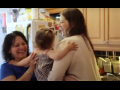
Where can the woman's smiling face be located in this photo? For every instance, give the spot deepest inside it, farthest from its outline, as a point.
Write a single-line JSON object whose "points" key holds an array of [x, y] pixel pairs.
{"points": [[64, 24], [19, 48]]}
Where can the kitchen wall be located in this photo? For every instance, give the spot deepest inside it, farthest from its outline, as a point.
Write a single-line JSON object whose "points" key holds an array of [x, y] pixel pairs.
{"points": [[2, 36], [3, 10]]}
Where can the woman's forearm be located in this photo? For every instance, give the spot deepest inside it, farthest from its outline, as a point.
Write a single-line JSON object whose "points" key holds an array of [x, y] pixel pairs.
{"points": [[26, 76]]}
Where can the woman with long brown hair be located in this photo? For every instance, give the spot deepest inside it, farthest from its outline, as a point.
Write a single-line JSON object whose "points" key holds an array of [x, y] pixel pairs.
{"points": [[80, 65]]}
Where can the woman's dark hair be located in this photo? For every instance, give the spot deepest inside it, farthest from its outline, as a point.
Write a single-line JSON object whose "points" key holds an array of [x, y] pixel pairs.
{"points": [[8, 42], [76, 22], [44, 38]]}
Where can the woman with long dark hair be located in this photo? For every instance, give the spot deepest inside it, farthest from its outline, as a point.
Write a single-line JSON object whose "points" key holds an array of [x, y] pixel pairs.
{"points": [[15, 48], [77, 65]]}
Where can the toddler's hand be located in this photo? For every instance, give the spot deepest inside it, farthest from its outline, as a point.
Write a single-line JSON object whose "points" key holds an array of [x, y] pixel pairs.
{"points": [[32, 56], [72, 46]]}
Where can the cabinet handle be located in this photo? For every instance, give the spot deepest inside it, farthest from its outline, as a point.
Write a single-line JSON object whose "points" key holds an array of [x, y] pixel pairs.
{"points": [[105, 42]]}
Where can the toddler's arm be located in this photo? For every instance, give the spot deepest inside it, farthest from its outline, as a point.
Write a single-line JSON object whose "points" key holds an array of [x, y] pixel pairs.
{"points": [[25, 61], [57, 55]]}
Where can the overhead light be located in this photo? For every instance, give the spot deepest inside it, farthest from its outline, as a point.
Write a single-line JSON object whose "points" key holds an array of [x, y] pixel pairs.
{"points": [[57, 17]]}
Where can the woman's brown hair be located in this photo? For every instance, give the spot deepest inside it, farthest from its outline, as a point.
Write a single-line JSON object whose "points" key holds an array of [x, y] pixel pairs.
{"points": [[76, 19], [44, 38]]}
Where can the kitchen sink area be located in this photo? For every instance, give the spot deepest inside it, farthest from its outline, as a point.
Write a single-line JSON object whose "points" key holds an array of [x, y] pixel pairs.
{"points": [[109, 65], [110, 77]]}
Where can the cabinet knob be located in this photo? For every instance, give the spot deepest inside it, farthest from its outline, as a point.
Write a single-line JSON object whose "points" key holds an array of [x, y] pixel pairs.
{"points": [[105, 42]]}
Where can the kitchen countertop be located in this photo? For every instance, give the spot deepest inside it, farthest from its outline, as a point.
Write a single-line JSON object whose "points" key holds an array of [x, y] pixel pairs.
{"points": [[103, 47], [110, 77]]}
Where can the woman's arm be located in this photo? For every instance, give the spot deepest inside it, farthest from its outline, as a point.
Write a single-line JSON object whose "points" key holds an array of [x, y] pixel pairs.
{"points": [[25, 77], [57, 55], [60, 67], [69, 78], [28, 74]]}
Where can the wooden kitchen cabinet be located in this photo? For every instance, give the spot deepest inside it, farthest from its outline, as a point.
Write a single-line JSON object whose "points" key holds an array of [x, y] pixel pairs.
{"points": [[103, 28], [54, 10], [58, 10], [95, 24], [112, 26]]}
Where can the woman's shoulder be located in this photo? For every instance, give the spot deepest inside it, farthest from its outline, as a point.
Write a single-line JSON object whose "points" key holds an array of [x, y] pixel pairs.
{"points": [[5, 64], [5, 67], [72, 38], [63, 42]]}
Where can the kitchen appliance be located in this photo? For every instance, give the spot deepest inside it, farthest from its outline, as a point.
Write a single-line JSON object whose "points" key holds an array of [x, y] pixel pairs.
{"points": [[29, 28], [116, 67], [104, 65], [100, 65], [107, 67], [100, 62]]}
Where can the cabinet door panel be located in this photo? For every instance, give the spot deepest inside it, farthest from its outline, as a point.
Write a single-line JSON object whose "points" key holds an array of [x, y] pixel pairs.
{"points": [[113, 25], [95, 24]]}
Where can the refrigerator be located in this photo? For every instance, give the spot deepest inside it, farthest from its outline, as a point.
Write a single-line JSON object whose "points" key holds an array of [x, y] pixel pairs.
{"points": [[29, 28]]}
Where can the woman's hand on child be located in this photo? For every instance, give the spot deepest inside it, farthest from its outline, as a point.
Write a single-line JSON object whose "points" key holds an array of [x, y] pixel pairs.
{"points": [[72, 46], [33, 61]]}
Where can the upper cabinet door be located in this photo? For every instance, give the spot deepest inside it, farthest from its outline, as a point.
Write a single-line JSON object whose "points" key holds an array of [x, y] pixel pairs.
{"points": [[112, 25], [95, 24]]}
